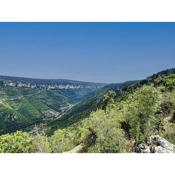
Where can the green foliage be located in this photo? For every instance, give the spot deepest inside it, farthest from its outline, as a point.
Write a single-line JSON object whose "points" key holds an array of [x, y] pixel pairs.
{"points": [[40, 140], [22, 142], [41, 144], [138, 112], [169, 132], [104, 133], [129, 118], [167, 107], [95, 100], [79, 112], [166, 80], [108, 99], [19, 142], [64, 140], [106, 121], [22, 108]]}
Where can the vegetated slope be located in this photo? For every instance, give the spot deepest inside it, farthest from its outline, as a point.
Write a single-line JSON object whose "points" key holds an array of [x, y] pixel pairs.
{"points": [[23, 105], [74, 91], [91, 102], [129, 119], [123, 122]]}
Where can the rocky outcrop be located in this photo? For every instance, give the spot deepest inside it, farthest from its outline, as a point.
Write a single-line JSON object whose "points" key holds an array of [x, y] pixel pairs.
{"points": [[156, 144]]}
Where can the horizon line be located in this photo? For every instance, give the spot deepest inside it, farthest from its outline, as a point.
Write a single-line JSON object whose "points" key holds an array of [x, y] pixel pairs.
{"points": [[36, 78]]}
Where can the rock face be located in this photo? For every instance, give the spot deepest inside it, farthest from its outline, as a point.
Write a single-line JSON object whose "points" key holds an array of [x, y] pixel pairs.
{"points": [[156, 144]]}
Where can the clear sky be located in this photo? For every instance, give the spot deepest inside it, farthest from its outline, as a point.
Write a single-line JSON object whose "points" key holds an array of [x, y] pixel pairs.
{"points": [[98, 52]]}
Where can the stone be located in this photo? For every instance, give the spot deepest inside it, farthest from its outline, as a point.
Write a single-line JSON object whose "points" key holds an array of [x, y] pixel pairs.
{"points": [[156, 144], [143, 148]]}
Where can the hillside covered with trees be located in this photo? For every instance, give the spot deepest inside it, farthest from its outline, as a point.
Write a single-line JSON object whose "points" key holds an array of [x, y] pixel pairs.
{"points": [[114, 120], [25, 102]]}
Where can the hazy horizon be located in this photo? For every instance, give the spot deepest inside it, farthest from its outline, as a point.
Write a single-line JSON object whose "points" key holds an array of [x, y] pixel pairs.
{"points": [[83, 80], [91, 52]]}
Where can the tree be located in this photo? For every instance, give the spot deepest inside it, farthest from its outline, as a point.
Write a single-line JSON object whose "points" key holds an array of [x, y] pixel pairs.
{"points": [[139, 110], [103, 133]]}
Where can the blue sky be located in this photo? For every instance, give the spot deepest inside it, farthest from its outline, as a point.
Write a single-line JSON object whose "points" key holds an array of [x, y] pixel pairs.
{"points": [[98, 52]]}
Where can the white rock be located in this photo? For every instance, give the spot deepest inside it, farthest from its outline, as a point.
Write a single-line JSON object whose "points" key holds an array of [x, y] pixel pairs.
{"points": [[156, 144]]}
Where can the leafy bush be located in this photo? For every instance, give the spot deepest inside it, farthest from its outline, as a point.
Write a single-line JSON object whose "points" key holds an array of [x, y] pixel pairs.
{"points": [[138, 112], [103, 133], [167, 107], [19, 142], [166, 80], [64, 140]]}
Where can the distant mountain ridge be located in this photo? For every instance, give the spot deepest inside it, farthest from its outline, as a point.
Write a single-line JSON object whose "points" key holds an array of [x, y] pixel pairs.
{"points": [[49, 83]]}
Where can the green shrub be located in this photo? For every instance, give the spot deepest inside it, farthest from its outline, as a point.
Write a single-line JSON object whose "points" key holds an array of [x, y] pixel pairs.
{"points": [[104, 134], [169, 132], [18, 142], [41, 144], [138, 112], [64, 140], [167, 107]]}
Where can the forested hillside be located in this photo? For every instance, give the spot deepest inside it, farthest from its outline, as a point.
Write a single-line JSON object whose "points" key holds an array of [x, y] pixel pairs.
{"points": [[126, 120], [113, 121], [92, 102], [25, 103]]}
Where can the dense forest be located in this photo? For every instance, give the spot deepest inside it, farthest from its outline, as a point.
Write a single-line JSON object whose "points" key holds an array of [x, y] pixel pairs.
{"points": [[116, 118]]}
